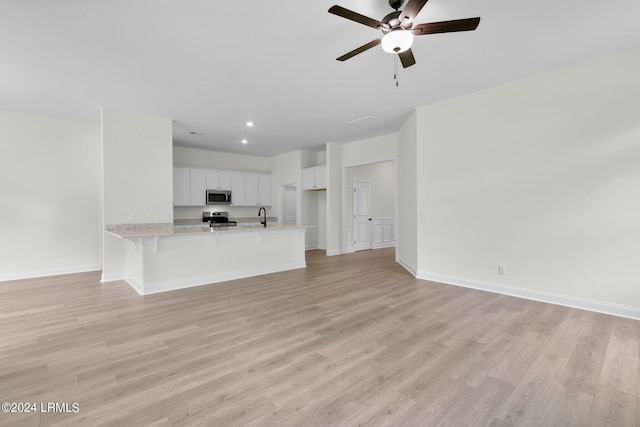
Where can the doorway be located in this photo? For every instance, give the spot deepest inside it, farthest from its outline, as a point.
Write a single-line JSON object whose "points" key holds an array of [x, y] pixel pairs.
{"points": [[362, 215], [289, 199], [369, 206]]}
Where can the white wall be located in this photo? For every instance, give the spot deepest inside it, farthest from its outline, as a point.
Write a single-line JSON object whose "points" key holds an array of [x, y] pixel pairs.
{"points": [[207, 159], [541, 175], [49, 196], [370, 150], [285, 169], [334, 196], [137, 178], [338, 157], [314, 204], [407, 196], [382, 176]]}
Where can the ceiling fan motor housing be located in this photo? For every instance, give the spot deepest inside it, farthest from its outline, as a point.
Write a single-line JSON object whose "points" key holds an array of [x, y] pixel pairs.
{"points": [[393, 20], [395, 4]]}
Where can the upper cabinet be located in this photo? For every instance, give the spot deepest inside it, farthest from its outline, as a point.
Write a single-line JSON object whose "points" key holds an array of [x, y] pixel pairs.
{"points": [[264, 189], [257, 189], [250, 189], [181, 187], [189, 187], [237, 188], [198, 187], [218, 180], [314, 178], [247, 188]]}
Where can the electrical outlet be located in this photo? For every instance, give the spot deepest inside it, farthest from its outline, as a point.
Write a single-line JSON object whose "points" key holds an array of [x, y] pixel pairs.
{"points": [[132, 217], [502, 270], [425, 216]]}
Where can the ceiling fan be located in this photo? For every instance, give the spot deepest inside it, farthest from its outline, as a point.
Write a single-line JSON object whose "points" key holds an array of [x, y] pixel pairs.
{"points": [[398, 29]]}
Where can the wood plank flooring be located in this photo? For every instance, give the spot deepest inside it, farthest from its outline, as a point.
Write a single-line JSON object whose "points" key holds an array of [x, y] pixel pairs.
{"points": [[352, 340]]}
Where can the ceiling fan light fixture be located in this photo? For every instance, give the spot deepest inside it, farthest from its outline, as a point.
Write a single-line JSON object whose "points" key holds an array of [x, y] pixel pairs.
{"points": [[397, 41]]}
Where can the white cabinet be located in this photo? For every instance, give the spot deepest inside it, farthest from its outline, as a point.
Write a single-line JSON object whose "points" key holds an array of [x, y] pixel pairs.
{"points": [[181, 187], [198, 180], [264, 189], [189, 186], [247, 188], [314, 178], [250, 189], [257, 189], [218, 180], [237, 188]]}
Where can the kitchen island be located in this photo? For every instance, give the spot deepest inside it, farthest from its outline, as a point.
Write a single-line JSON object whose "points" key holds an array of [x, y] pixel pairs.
{"points": [[160, 258]]}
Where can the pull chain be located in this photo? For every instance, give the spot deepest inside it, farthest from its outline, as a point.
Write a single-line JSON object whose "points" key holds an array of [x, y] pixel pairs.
{"points": [[395, 69]]}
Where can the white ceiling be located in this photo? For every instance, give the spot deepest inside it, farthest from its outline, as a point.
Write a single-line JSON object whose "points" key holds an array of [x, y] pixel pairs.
{"points": [[211, 65]]}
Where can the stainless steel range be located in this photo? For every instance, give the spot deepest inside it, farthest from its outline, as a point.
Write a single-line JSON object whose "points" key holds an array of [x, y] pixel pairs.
{"points": [[218, 219]]}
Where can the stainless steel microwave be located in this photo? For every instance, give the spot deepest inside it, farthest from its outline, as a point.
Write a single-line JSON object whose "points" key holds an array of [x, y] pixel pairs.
{"points": [[218, 197]]}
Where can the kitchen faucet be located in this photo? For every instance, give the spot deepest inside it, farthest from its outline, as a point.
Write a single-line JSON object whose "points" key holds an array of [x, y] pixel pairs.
{"points": [[265, 215]]}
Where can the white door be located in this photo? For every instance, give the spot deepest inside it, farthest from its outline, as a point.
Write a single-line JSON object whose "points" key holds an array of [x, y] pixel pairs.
{"points": [[289, 201], [362, 215]]}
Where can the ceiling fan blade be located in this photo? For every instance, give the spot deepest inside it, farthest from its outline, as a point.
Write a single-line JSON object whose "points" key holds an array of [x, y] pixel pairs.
{"points": [[361, 49], [468, 24], [412, 9], [407, 58], [353, 16]]}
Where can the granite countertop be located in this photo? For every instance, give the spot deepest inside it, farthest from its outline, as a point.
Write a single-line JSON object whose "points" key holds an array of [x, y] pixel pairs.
{"points": [[239, 220], [129, 231]]}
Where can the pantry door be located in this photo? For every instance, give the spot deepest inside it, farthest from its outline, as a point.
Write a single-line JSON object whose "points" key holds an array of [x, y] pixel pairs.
{"points": [[362, 215]]}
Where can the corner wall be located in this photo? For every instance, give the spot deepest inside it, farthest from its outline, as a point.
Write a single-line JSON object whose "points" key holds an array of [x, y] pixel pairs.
{"points": [[285, 169], [541, 176], [49, 196], [137, 178], [407, 194], [334, 199], [314, 205], [366, 151]]}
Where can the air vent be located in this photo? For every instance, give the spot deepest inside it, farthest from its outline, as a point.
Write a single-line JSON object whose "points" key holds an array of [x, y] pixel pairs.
{"points": [[368, 122]]}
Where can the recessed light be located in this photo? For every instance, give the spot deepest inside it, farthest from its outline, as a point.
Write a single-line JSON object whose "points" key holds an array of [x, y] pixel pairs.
{"points": [[250, 124], [244, 141]]}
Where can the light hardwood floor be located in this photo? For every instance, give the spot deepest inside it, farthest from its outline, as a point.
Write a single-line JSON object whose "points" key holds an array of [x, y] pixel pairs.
{"points": [[350, 340]]}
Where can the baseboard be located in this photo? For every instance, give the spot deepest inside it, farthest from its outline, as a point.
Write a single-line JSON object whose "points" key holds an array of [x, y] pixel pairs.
{"points": [[49, 272], [383, 245], [334, 252], [111, 278], [208, 280], [535, 295], [135, 285], [407, 266], [311, 247]]}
